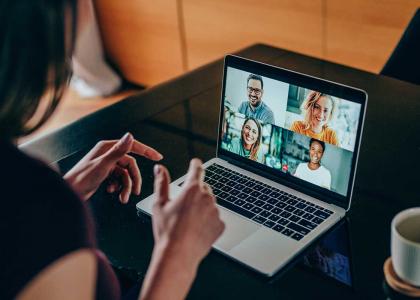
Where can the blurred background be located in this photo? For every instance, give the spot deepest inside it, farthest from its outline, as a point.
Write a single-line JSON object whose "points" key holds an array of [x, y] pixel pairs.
{"points": [[142, 43]]}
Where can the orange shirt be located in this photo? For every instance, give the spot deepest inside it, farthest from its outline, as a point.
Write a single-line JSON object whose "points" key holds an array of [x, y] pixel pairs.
{"points": [[326, 135]]}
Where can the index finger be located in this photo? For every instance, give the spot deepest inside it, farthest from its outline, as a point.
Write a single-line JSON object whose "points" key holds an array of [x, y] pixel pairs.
{"points": [[146, 151], [195, 171]]}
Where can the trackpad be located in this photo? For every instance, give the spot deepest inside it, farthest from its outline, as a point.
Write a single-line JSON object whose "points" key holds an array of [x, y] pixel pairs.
{"points": [[237, 229]]}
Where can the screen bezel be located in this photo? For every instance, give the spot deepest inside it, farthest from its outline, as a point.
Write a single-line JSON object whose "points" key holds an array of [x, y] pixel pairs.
{"points": [[305, 81]]}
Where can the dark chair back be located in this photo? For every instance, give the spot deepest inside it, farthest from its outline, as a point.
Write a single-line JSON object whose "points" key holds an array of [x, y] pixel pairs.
{"points": [[404, 62]]}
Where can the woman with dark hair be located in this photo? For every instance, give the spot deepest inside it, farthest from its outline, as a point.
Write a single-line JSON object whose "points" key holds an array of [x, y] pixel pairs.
{"points": [[313, 171], [318, 110], [248, 145], [48, 246]]}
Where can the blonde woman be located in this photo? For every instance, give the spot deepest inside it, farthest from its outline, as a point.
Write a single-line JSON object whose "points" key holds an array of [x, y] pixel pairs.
{"points": [[318, 110]]}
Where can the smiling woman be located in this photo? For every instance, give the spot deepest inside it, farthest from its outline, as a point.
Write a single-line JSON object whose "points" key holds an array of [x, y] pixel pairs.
{"points": [[318, 110], [248, 145]]}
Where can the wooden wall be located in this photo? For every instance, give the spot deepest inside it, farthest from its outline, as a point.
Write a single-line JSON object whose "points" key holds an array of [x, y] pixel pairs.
{"points": [[153, 41]]}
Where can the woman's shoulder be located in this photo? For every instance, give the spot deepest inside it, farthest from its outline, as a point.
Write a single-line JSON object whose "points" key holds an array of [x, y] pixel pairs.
{"points": [[40, 215]]}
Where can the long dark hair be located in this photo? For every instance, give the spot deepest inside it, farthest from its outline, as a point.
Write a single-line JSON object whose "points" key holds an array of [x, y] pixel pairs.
{"points": [[36, 42], [256, 146]]}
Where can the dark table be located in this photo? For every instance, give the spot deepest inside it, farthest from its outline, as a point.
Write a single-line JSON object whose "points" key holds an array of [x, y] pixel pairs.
{"points": [[180, 119]]}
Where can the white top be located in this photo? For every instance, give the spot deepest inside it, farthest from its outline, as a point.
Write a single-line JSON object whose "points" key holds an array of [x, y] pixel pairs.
{"points": [[320, 176]]}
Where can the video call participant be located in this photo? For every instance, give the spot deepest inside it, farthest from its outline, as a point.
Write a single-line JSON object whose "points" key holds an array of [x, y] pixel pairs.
{"points": [[255, 107], [312, 171], [318, 110], [248, 144]]}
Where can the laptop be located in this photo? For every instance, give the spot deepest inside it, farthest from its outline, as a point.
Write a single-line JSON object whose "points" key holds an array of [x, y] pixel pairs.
{"points": [[285, 164]]}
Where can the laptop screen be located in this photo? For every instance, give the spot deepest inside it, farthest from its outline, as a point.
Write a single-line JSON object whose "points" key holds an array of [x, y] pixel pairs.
{"points": [[300, 132]]}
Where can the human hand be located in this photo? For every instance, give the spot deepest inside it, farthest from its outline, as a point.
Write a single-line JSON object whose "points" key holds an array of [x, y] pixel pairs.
{"points": [[111, 160], [189, 224]]}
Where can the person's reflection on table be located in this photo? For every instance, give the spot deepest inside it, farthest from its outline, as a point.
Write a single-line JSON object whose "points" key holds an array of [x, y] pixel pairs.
{"points": [[248, 145], [332, 255], [313, 171], [318, 111]]}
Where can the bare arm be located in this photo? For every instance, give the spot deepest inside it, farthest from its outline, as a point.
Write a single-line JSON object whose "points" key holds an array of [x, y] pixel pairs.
{"points": [[71, 277]]}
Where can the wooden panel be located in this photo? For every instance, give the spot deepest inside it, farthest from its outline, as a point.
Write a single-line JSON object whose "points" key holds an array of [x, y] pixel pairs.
{"points": [[363, 33], [216, 27], [141, 38]]}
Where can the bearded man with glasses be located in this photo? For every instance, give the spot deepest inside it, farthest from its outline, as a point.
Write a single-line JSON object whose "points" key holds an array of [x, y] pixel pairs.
{"points": [[254, 107]]}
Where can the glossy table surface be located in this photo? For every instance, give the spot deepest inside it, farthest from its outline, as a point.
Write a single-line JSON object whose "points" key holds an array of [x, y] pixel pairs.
{"points": [[180, 119]]}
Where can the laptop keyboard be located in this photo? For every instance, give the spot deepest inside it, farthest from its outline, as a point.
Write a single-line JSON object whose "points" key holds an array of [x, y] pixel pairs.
{"points": [[271, 207]]}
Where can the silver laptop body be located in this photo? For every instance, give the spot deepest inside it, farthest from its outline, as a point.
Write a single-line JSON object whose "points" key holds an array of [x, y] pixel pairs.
{"points": [[246, 240]]}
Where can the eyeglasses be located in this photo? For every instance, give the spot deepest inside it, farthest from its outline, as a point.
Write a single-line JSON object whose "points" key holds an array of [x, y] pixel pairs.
{"points": [[255, 91]]}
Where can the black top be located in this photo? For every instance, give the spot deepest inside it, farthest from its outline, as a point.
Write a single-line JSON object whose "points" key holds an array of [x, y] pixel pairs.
{"points": [[41, 220]]}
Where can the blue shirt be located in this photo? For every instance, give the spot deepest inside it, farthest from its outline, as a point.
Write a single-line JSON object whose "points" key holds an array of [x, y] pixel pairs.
{"points": [[262, 112]]}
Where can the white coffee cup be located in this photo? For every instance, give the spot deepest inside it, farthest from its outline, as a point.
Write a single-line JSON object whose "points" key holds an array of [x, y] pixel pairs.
{"points": [[405, 245]]}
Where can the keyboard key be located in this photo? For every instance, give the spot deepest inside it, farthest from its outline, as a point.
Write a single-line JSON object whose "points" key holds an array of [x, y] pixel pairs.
{"points": [[250, 184], [239, 202], [211, 182], [317, 220], [266, 191], [268, 206], [226, 188], [251, 199], [218, 185], [255, 194], [287, 232], [301, 205], [248, 206], [265, 213], [269, 223], [242, 180], [223, 195], [276, 210], [321, 214], [278, 228], [274, 218], [275, 194], [216, 177], [299, 212], [239, 187], [235, 192], [242, 196], [290, 208], [283, 221], [236, 209], [281, 205], [293, 218], [263, 197], [259, 203], [310, 209], [298, 228], [291, 201], [259, 219], [272, 201], [258, 187], [257, 209], [247, 190], [231, 198], [308, 216], [297, 236], [223, 180], [307, 224], [230, 183], [216, 191], [285, 214]]}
